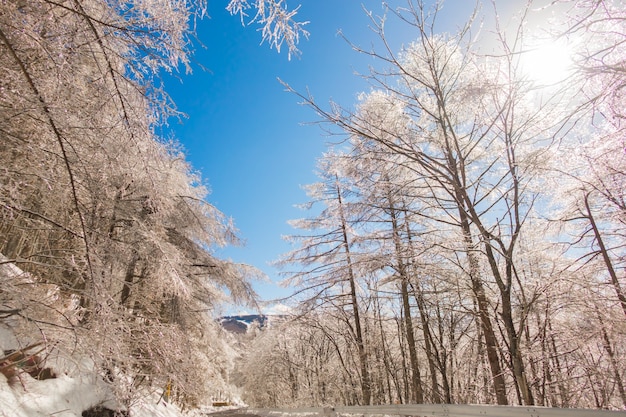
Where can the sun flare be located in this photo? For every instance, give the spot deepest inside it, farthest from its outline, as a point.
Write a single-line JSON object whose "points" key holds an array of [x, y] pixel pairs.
{"points": [[547, 63]]}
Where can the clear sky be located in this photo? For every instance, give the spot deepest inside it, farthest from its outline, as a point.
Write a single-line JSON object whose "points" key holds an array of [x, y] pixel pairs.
{"points": [[250, 139]]}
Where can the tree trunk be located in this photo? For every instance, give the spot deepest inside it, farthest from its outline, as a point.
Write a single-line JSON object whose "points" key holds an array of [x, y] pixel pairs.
{"points": [[605, 256], [563, 391], [128, 280], [616, 368], [401, 337], [365, 379], [517, 363], [385, 354], [491, 342], [429, 346], [417, 393]]}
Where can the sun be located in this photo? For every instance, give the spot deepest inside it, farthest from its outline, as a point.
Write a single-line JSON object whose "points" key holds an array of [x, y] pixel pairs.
{"points": [[547, 63]]}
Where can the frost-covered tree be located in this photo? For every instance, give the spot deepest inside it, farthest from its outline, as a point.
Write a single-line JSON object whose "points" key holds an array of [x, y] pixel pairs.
{"points": [[482, 140], [389, 234], [330, 271], [109, 223], [435, 99], [303, 362], [593, 161], [588, 196]]}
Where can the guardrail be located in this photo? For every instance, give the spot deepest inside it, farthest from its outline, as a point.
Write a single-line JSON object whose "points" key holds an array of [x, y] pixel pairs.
{"points": [[444, 410]]}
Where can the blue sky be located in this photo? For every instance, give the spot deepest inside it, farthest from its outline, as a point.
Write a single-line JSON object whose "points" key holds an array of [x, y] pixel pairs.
{"points": [[251, 140]]}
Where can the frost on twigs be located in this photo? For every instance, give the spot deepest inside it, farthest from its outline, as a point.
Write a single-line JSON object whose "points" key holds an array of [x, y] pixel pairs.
{"points": [[105, 231], [277, 22]]}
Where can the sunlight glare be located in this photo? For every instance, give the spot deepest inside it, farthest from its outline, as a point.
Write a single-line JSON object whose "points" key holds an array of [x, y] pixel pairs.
{"points": [[547, 63]]}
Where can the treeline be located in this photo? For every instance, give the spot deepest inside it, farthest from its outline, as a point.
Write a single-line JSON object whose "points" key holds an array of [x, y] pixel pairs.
{"points": [[106, 236], [466, 239]]}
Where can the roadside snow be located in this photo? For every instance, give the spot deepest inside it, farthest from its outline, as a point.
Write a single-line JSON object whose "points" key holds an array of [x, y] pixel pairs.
{"points": [[76, 388], [69, 397]]}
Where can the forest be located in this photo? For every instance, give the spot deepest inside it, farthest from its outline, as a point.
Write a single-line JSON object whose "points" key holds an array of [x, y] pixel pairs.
{"points": [[107, 237], [465, 242]]}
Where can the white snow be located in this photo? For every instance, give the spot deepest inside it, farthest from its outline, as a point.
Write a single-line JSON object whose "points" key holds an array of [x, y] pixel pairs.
{"points": [[66, 396], [77, 386], [69, 396]]}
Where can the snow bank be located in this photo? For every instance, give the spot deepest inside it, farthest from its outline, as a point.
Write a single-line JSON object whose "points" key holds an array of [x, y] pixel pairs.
{"points": [[77, 386], [61, 397], [69, 397]]}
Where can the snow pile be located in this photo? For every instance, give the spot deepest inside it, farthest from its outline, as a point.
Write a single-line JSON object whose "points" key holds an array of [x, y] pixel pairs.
{"points": [[40, 378], [62, 396], [76, 388], [67, 396]]}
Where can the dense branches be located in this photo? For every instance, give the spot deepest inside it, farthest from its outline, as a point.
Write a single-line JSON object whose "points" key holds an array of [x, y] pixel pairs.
{"points": [[107, 223], [487, 227]]}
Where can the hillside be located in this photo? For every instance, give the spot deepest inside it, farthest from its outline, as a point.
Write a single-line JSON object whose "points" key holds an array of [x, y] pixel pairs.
{"points": [[240, 324]]}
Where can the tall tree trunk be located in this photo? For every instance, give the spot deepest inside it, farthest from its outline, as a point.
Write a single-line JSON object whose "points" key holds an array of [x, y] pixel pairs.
{"points": [[480, 360], [563, 391], [419, 300], [358, 330], [491, 342], [505, 286], [606, 342], [470, 213], [385, 353], [533, 367], [429, 347], [517, 363], [405, 377], [605, 255], [417, 393]]}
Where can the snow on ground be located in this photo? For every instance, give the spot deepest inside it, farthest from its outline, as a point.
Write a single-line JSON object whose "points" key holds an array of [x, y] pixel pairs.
{"points": [[62, 397], [76, 388], [69, 397]]}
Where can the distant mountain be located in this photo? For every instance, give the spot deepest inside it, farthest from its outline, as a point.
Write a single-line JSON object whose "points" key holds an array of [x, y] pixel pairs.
{"points": [[241, 324]]}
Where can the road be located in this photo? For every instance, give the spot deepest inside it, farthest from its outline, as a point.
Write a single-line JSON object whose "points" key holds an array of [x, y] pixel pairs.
{"points": [[232, 413]]}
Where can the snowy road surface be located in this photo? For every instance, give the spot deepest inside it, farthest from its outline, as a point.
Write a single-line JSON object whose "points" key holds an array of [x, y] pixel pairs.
{"points": [[232, 413]]}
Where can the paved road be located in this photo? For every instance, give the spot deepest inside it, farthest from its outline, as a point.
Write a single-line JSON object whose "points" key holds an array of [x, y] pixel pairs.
{"points": [[232, 413]]}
